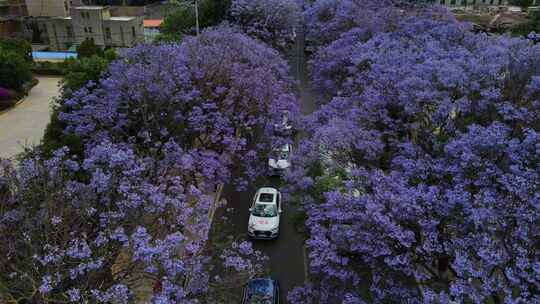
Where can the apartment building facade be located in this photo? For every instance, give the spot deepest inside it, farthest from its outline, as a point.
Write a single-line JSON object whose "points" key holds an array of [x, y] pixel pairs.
{"points": [[12, 13], [68, 23]]}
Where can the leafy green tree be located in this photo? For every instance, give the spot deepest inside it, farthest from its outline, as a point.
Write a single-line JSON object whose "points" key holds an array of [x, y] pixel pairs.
{"points": [[14, 70], [80, 71], [526, 28], [88, 49], [182, 21], [522, 3], [18, 46]]}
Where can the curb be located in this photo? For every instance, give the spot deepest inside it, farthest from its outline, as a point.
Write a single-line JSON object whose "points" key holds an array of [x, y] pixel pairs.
{"points": [[306, 264], [14, 106], [20, 100]]}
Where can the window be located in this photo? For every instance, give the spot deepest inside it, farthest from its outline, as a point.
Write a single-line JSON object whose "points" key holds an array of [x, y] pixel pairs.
{"points": [[90, 29], [69, 31], [133, 32], [108, 32], [442, 2], [453, 2], [491, 2], [266, 197], [66, 6], [85, 30]]}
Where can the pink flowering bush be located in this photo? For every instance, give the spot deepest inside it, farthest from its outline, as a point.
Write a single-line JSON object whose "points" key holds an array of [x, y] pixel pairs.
{"points": [[4, 94]]}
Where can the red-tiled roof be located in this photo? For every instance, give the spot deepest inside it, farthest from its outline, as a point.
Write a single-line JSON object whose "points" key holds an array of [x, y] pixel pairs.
{"points": [[152, 22]]}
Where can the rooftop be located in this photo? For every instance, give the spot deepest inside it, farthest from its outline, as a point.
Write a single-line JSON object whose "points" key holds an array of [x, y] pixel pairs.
{"points": [[121, 18], [90, 7], [152, 22]]}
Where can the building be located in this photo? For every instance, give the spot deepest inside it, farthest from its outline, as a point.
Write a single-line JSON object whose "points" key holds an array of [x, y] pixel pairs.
{"points": [[12, 13], [151, 29], [50, 8], [67, 23], [13, 8]]}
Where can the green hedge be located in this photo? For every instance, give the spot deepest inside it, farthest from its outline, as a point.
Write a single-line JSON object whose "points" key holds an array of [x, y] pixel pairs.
{"points": [[49, 68]]}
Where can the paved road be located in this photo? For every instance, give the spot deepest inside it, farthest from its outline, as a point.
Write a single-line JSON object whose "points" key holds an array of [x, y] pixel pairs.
{"points": [[24, 124], [286, 253]]}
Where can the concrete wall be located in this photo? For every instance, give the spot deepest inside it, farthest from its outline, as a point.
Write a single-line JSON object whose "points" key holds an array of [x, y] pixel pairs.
{"points": [[51, 8], [9, 28], [88, 24], [61, 34]]}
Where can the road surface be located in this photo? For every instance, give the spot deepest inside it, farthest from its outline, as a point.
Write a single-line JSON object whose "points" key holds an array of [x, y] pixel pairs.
{"points": [[286, 253], [24, 124]]}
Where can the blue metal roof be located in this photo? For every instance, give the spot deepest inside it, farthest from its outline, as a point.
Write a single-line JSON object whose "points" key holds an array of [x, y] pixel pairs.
{"points": [[53, 55]]}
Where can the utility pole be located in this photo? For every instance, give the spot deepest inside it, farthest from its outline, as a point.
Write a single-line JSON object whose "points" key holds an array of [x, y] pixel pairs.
{"points": [[197, 17]]}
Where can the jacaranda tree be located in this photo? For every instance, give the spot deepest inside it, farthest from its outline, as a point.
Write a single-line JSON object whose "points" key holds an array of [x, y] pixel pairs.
{"points": [[81, 230], [420, 174], [273, 21], [219, 97], [165, 127]]}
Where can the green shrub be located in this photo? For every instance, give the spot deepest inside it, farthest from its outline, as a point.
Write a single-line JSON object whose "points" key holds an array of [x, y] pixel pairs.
{"points": [[21, 47], [14, 70], [49, 68], [78, 72], [182, 21], [88, 49], [54, 137]]}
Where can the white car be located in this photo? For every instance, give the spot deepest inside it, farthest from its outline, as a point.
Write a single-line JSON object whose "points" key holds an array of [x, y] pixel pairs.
{"points": [[285, 127], [279, 160], [264, 214]]}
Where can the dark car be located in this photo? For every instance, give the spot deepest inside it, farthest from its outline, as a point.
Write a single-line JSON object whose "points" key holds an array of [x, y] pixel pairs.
{"points": [[261, 291]]}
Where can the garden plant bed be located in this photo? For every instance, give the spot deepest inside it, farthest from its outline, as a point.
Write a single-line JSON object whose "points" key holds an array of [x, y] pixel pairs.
{"points": [[16, 97]]}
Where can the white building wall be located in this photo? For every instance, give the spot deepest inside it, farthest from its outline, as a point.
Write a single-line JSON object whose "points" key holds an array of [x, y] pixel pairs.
{"points": [[61, 34], [123, 33], [88, 24]]}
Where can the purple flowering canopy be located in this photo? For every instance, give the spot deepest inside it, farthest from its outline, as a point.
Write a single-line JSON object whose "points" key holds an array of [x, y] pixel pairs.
{"points": [[272, 21], [160, 132], [98, 229], [327, 20], [420, 176], [217, 97]]}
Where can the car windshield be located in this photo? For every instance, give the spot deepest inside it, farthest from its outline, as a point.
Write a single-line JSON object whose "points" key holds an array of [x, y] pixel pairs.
{"points": [[259, 292], [281, 154], [259, 299], [264, 210], [266, 197]]}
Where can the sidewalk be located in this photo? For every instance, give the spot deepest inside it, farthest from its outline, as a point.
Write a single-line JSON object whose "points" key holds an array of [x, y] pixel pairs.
{"points": [[24, 124]]}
